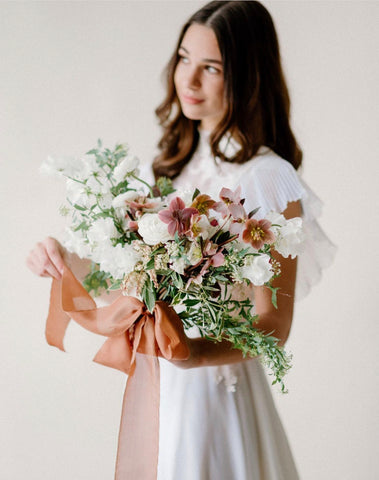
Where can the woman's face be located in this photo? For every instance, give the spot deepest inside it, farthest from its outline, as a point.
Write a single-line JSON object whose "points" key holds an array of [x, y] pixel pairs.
{"points": [[199, 78]]}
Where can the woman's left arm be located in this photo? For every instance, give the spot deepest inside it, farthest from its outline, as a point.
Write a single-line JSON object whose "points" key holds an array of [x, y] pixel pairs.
{"points": [[271, 320]]}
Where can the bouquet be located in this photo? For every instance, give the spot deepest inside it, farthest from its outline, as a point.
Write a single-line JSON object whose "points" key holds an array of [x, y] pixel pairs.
{"points": [[185, 248]]}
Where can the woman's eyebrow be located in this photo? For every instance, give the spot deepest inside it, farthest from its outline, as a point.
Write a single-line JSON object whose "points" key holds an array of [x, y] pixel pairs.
{"points": [[206, 60]]}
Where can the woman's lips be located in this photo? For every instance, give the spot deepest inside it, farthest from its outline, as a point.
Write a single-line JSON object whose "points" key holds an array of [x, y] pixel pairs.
{"points": [[191, 100]]}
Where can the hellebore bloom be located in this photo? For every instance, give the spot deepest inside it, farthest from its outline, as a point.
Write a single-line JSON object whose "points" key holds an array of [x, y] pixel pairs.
{"points": [[203, 203], [177, 216], [257, 233], [230, 200]]}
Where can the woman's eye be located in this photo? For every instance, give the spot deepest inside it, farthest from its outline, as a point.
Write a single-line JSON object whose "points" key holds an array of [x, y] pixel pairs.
{"points": [[183, 59], [212, 69]]}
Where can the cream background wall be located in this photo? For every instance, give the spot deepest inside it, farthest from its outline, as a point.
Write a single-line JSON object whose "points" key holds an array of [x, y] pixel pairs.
{"points": [[71, 72]]}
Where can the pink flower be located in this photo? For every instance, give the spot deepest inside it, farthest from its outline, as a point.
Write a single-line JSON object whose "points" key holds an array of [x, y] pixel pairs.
{"points": [[177, 216], [141, 204], [231, 203], [257, 233], [229, 197]]}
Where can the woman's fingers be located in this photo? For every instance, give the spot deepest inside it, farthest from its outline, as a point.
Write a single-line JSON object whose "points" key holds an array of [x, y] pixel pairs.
{"points": [[54, 251], [45, 260]]}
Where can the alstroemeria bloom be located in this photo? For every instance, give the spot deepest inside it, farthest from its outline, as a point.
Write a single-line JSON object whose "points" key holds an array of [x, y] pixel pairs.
{"points": [[257, 233], [177, 216]]}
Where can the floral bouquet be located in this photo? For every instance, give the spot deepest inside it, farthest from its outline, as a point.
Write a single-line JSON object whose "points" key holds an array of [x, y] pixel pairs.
{"points": [[185, 248]]}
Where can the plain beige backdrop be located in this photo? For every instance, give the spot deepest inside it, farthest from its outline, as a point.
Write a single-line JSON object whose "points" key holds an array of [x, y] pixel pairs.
{"points": [[71, 72]]}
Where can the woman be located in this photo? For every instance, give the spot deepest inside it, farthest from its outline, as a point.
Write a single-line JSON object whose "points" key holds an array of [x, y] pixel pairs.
{"points": [[225, 123]]}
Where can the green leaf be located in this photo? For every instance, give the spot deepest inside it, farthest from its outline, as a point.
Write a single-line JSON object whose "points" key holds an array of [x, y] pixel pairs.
{"points": [[177, 280], [253, 212], [121, 187], [148, 295], [274, 298], [165, 186], [116, 285], [96, 281], [195, 194], [79, 207], [191, 303], [150, 264]]}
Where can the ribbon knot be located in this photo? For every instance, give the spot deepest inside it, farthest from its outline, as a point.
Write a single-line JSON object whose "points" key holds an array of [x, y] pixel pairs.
{"points": [[130, 329]]}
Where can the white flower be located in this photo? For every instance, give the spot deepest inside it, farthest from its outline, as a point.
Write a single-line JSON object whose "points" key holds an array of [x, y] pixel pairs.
{"points": [[57, 166], [98, 184], [128, 166], [119, 260], [75, 242], [257, 269], [203, 227], [178, 265], [290, 239], [78, 194], [276, 219], [90, 166], [194, 253], [184, 194], [152, 229], [101, 232]]}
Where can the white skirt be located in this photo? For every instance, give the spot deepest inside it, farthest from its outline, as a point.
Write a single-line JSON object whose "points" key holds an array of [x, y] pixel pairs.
{"points": [[220, 423]]}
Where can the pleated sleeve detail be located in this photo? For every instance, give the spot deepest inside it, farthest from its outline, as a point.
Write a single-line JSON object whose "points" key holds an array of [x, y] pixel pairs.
{"points": [[269, 182]]}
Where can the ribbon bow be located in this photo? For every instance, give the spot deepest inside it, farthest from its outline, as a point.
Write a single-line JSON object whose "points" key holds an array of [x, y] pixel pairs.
{"points": [[130, 328]]}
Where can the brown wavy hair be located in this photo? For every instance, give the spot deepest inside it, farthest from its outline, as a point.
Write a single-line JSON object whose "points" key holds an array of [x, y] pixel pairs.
{"points": [[258, 106]]}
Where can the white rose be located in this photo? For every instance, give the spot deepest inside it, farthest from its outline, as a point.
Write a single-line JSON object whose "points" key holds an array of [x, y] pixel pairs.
{"points": [[290, 239], [152, 229], [119, 260], [257, 269], [128, 166]]}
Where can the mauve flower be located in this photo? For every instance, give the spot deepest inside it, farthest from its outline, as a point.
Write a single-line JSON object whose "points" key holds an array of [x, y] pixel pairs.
{"points": [[177, 216], [229, 197], [230, 201], [257, 233]]}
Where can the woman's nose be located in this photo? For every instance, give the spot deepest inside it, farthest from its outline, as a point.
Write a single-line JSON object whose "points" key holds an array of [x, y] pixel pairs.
{"points": [[193, 78]]}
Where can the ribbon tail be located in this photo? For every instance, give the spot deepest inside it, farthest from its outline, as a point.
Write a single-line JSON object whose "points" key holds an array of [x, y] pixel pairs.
{"points": [[57, 319], [138, 442]]}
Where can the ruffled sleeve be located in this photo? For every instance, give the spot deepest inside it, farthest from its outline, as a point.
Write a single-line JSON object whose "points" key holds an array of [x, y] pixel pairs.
{"points": [[270, 183]]}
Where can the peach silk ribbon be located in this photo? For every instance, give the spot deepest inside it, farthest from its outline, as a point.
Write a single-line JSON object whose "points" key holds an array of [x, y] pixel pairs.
{"points": [[131, 328]]}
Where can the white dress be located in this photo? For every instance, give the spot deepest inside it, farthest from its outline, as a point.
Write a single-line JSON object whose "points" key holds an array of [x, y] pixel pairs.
{"points": [[220, 423]]}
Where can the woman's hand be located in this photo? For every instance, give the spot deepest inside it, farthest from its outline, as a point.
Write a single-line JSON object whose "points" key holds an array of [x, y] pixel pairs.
{"points": [[46, 258]]}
